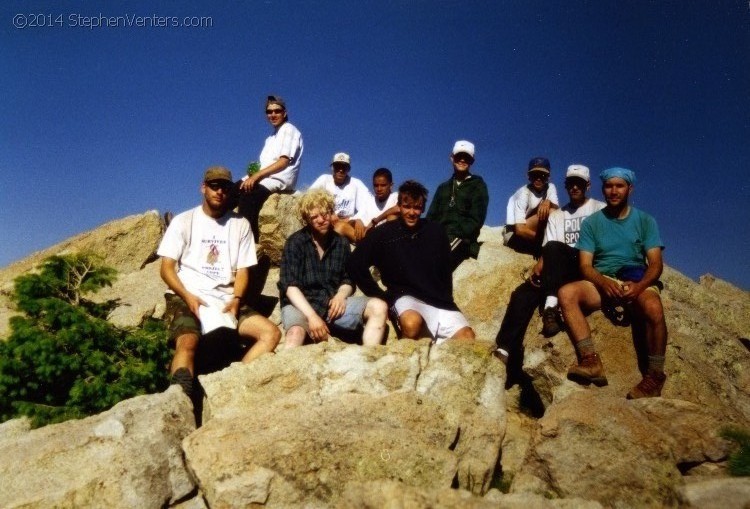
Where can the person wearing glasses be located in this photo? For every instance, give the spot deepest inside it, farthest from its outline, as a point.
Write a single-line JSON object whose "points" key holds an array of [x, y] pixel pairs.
{"points": [[205, 255], [353, 202], [460, 205], [557, 266], [314, 286], [529, 208], [279, 161]]}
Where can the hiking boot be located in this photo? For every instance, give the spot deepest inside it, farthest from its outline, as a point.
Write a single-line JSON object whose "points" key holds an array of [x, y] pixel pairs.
{"points": [[588, 371], [550, 322], [184, 379], [649, 387]]}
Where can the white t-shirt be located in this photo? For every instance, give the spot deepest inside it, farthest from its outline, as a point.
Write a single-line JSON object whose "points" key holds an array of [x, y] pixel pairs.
{"points": [[382, 206], [353, 199], [286, 141], [524, 201], [564, 225], [209, 251]]}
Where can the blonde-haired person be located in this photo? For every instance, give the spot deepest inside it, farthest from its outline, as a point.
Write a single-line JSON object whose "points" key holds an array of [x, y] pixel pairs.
{"points": [[314, 287]]}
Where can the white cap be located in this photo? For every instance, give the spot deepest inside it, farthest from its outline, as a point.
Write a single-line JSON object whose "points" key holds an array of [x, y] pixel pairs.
{"points": [[464, 146], [578, 170], [342, 157]]}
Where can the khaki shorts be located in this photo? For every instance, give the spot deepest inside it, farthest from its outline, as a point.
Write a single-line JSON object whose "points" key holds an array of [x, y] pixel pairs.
{"points": [[180, 320]]}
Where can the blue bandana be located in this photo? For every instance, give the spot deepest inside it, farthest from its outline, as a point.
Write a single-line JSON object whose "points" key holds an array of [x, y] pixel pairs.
{"points": [[623, 173]]}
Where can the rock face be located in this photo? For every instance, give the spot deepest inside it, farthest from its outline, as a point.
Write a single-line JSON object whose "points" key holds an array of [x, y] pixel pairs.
{"points": [[402, 425], [129, 456], [331, 414]]}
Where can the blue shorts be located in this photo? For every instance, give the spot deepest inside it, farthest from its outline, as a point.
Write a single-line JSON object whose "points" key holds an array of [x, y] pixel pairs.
{"points": [[351, 320]]}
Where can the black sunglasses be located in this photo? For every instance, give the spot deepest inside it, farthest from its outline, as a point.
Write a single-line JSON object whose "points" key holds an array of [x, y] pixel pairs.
{"points": [[215, 185], [279, 111]]}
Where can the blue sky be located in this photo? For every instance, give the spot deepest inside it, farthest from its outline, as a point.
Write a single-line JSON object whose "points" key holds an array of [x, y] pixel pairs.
{"points": [[102, 122]]}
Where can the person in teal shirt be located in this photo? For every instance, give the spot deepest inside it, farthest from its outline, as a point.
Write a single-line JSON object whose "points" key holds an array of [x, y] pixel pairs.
{"points": [[621, 262]]}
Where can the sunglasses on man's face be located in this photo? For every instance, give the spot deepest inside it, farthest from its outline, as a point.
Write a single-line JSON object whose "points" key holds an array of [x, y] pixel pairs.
{"points": [[538, 175], [216, 185], [575, 182], [274, 111]]}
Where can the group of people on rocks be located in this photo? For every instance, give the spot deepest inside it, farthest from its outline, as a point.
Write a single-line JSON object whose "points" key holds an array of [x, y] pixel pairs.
{"points": [[589, 255]]}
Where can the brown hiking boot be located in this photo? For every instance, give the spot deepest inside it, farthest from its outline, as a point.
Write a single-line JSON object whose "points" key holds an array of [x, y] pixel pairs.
{"points": [[550, 322], [649, 387], [588, 371]]}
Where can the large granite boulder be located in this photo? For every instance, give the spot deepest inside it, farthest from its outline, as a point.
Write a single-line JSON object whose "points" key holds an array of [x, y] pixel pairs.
{"points": [[301, 425], [129, 456]]}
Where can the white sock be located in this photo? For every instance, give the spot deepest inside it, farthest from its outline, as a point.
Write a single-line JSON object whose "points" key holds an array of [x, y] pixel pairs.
{"points": [[551, 302]]}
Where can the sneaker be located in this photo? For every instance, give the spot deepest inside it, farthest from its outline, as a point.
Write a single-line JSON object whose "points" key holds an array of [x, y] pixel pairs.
{"points": [[589, 371], [550, 322], [501, 355], [649, 387]]}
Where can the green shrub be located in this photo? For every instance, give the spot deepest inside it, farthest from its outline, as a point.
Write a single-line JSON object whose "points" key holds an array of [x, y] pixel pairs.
{"points": [[739, 460], [63, 360]]}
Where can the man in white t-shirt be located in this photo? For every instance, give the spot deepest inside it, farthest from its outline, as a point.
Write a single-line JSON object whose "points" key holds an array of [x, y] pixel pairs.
{"points": [[205, 254], [529, 208], [354, 203], [279, 164], [557, 265]]}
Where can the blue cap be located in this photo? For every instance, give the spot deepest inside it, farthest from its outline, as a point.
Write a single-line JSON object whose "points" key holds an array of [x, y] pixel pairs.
{"points": [[617, 172], [539, 164]]}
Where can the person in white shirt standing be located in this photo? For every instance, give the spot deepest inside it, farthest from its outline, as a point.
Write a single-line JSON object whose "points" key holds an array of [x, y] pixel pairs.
{"points": [[279, 161], [353, 202], [205, 254]]}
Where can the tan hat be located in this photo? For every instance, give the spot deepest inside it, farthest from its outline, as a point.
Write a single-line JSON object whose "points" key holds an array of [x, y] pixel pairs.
{"points": [[341, 157], [217, 173]]}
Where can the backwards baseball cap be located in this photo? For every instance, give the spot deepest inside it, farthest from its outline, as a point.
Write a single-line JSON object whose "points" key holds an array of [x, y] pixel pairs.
{"points": [[539, 164], [217, 173], [465, 147], [275, 99], [341, 157], [617, 172], [578, 170]]}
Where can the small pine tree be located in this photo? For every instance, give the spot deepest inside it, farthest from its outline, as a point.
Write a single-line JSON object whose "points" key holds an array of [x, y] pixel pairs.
{"points": [[62, 359], [739, 460]]}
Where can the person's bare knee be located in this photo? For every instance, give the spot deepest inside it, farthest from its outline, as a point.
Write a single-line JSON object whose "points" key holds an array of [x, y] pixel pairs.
{"points": [[411, 324], [295, 336], [186, 346], [465, 334]]}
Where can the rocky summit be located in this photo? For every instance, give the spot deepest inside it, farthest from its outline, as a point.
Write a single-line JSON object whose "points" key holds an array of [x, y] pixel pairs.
{"points": [[406, 424]]}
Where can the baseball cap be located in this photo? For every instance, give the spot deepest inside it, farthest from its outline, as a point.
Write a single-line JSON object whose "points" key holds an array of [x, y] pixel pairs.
{"points": [[275, 99], [539, 164], [463, 146], [578, 170], [341, 157], [217, 173]]}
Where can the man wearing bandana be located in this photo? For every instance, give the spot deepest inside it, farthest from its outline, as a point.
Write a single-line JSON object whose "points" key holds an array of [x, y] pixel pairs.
{"points": [[621, 262]]}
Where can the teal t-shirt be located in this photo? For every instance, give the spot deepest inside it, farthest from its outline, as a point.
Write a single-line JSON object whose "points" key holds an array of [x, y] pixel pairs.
{"points": [[617, 243]]}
